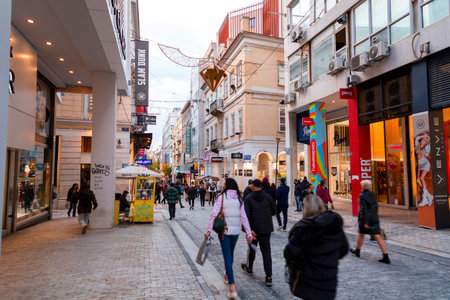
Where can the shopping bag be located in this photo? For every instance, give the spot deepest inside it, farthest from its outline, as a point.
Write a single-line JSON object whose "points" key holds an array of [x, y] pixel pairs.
{"points": [[204, 249], [132, 211]]}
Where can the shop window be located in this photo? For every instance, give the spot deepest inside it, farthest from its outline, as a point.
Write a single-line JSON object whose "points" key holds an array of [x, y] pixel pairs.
{"points": [[86, 144], [380, 21], [434, 10]]}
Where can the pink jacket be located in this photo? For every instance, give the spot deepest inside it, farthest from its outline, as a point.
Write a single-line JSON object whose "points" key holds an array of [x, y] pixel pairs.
{"points": [[324, 195], [216, 211]]}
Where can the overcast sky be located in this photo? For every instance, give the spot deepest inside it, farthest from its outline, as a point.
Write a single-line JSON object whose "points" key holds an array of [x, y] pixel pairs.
{"points": [[188, 25]]}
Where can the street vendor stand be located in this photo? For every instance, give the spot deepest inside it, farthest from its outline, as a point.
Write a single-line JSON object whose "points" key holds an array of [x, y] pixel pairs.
{"points": [[143, 191]]}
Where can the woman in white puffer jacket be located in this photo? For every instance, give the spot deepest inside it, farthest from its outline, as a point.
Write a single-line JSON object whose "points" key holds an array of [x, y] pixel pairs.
{"points": [[235, 217]]}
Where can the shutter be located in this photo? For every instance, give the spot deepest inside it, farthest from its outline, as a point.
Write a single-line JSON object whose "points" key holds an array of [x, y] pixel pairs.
{"points": [[439, 72]]}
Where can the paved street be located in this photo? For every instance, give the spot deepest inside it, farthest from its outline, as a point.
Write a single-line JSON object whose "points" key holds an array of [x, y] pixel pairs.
{"points": [[157, 261]]}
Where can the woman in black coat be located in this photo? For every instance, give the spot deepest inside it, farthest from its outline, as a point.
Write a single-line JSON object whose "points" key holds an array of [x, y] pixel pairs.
{"points": [[368, 220], [72, 201], [316, 243]]}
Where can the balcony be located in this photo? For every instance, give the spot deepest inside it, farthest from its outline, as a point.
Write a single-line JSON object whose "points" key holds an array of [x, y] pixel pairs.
{"points": [[216, 145], [216, 108]]}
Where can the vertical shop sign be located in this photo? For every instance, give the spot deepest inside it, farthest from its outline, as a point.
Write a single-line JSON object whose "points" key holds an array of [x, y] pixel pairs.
{"points": [[141, 73], [422, 155], [188, 139], [439, 166], [318, 143]]}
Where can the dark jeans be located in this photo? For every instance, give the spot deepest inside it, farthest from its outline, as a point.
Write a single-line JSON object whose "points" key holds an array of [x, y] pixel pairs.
{"points": [[191, 202], [212, 197], [282, 208], [172, 210], [73, 205], [202, 200], [179, 200], [158, 197], [227, 245], [264, 245]]}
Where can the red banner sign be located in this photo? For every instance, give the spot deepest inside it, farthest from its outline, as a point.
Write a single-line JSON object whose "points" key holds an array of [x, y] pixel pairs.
{"points": [[347, 93], [307, 121]]}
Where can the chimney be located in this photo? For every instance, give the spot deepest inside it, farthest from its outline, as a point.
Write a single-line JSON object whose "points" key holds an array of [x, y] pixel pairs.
{"points": [[229, 42], [245, 23]]}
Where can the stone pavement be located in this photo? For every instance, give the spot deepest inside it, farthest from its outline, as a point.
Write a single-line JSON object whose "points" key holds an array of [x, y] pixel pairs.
{"points": [[53, 260]]}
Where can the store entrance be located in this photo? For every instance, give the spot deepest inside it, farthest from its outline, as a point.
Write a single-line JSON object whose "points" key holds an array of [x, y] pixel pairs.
{"points": [[389, 154]]}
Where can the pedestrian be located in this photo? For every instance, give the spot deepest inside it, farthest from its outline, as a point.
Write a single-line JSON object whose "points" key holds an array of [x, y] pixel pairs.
{"points": [[172, 197], [248, 188], [158, 190], [266, 187], [186, 190], [235, 217], [191, 195], [260, 208], [86, 199], [282, 204], [368, 221], [324, 194], [180, 193], [124, 205], [305, 182], [298, 189], [212, 193], [202, 193], [163, 191], [316, 243], [71, 199]]}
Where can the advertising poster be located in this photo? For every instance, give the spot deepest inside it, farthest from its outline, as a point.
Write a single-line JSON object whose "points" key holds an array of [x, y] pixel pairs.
{"points": [[141, 73], [303, 131], [318, 143], [424, 175]]}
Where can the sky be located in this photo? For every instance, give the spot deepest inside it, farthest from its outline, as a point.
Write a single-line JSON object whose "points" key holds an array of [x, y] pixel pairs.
{"points": [[188, 25]]}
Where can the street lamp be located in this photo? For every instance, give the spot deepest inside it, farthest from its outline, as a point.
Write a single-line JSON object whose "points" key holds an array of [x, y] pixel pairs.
{"points": [[276, 165]]}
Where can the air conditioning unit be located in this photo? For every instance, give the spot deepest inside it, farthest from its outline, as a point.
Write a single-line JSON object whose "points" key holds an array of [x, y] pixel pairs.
{"points": [[296, 34], [289, 98], [360, 61], [378, 51], [337, 65]]}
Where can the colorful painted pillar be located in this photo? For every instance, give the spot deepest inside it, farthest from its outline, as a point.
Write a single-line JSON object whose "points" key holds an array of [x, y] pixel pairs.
{"points": [[318, 143]]}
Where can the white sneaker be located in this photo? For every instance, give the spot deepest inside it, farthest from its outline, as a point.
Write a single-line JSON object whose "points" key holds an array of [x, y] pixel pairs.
{"points": [[232, 295], [429, 197], [424, 201]]}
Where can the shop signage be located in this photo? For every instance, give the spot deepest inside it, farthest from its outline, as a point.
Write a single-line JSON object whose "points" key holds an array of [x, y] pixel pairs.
{"points": [[151, 120], [307, 122], [216, 159], [247, 157], [303, 131], [347, 93], [188, 139], [237, 155], [206, 157], [143, 161], [118, 10], [141, 152], [339, 140], [141, 73]]}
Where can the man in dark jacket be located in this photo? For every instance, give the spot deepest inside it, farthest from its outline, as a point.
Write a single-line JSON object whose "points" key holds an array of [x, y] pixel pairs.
{"points": [[124, 205], [192, 194], [85, 200], [172, 197], [180, 193], [260, 208], [298, 186], [282, 204], [316, 243], [248, 189]]}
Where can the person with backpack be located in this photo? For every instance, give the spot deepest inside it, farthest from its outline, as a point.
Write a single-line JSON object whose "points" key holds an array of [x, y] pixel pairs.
{"points": [[316, 244], [260, 208], [231, 204], [86, 199]]}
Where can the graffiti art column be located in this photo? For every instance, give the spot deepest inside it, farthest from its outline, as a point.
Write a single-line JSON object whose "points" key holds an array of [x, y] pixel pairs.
{"points": [[318, 143]]}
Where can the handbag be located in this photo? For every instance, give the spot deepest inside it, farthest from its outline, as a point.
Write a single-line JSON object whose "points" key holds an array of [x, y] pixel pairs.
{"points": [[204, 250], [219, 225]]}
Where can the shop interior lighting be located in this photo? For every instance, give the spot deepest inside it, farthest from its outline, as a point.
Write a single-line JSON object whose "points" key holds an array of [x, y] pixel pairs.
{"points": [[71, 71], [31, 21], [49, 43], [79, 82], [61, 59]]}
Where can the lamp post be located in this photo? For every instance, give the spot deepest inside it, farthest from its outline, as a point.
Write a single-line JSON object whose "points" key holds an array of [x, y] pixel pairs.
{"points": [[276, 164]]}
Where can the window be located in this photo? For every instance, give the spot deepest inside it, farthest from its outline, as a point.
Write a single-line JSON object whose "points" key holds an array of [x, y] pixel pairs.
{"points": [[322, 53], [215, 132], [280, 73], [232, 129], [232, 83], [239, 75], [281, 120], [299, 67], [86, 142], [252, 22], [225, 127], [330, 4], [239, 120], [380, 21], [319, 9], [207, 136], [211, 134], [220, 93], [299, 13], [434, 10], [225, 88]]}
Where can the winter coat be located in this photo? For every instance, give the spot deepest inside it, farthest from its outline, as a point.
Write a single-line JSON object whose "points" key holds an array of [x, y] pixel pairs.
{"points": [[247, 191], [85, 199], [283, 194], [323, 194], [315, 246], [269, 190], [123, 203], [298, 189], [202, 192], [368, 213], [260, 208], [192, 193], [70, 194], [172, 195]]}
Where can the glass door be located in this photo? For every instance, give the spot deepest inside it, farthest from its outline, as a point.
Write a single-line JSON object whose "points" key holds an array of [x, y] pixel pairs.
{"points": [[395, 154]]}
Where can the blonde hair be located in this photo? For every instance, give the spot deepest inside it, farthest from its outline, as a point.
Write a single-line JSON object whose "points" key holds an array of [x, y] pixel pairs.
{"points": [[366, 185], [312, 206]]}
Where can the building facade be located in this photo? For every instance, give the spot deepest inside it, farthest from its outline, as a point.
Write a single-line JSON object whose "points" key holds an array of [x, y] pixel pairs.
{"points": [[366, 100]]}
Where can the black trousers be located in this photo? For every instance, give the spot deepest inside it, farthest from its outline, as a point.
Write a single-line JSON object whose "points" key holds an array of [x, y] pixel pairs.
{"points": [[202, 200], [282, 208], [172, 210], [264, 246], [212, 197], [191, 202], [179, 201]]}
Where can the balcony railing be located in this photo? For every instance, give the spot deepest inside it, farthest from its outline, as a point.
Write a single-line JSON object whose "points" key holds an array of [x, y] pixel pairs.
{"points": [[216, 108], [216, 145]]}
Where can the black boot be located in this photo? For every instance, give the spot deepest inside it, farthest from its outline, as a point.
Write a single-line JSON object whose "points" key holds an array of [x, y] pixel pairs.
{"points": [[385, 259], [355, 251]]}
